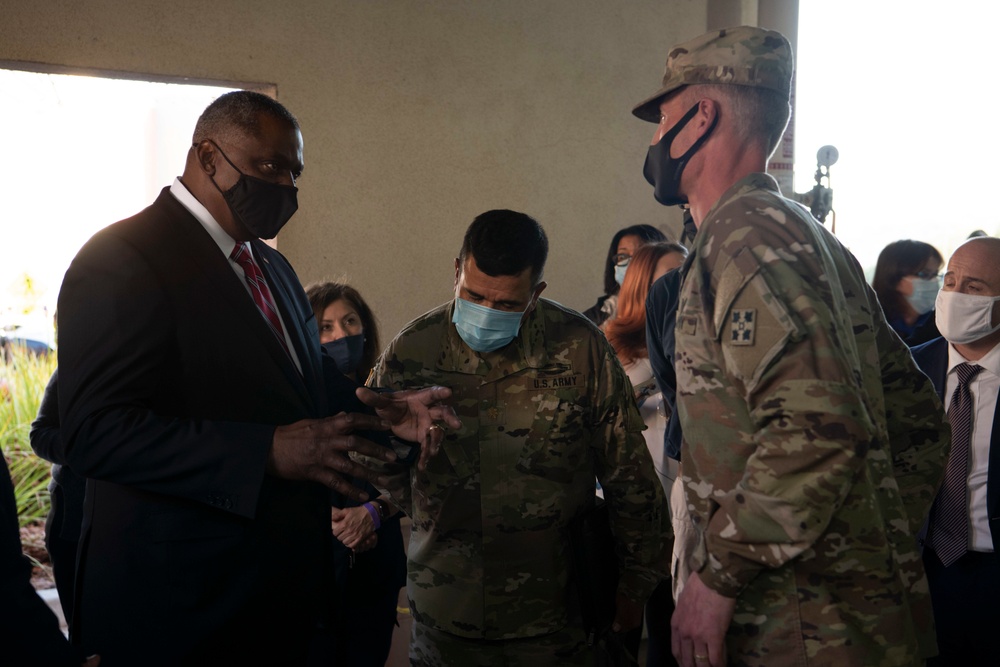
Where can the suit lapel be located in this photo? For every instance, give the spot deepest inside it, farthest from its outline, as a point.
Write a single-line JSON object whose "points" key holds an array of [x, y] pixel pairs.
{"points": [[306, 345], [199, 254]]}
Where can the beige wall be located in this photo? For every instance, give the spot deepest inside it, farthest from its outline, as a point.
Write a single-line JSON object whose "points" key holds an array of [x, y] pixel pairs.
{"points": [[417, 115]]}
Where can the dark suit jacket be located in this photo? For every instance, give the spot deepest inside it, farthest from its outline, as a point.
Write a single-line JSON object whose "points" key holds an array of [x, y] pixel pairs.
{"points": [[932, 359], [170, 387], [67, 488]]}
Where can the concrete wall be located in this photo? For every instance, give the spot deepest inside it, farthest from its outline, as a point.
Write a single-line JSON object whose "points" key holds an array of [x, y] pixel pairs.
{"points": [[417, 116]]}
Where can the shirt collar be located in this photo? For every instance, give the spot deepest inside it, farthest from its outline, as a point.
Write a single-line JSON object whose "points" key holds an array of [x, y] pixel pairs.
{"points": [[990, 361], [201, 214]]}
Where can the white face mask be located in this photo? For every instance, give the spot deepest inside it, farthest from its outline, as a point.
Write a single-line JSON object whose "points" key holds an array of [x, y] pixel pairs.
{"points": [[964, 318], [925, 291]]}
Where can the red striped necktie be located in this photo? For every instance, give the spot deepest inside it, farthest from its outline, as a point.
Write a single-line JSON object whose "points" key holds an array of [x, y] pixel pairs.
{"points": [[259, 291]]}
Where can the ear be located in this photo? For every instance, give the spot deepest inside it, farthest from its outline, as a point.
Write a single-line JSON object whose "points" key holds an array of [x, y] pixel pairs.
{"points": [[458, 271], [205, 153], [539, 288], [708, 114]]}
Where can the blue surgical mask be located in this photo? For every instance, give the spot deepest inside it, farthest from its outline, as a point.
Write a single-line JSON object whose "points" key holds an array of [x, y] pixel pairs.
{"points": [[485, 329], [925, 291], [346, 352], [620, 270]]}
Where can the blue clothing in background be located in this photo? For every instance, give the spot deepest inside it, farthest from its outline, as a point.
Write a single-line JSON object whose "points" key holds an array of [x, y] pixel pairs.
{"points": [[661, 315]]}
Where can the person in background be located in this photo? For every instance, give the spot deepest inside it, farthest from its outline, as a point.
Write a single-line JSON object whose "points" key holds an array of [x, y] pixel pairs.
{"points": [[29, 631], [907, 279], [369, 561], [661, 319], [623, 245], [66, 489], [627, 334], [347, 328], [963, 536]]}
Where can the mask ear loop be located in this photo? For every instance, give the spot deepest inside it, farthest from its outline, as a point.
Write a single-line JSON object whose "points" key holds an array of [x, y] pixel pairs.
{"points": [[226, 158], [676, 129]]}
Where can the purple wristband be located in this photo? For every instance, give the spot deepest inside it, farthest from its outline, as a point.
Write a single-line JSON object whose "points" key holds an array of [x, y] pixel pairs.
{"points": [[374, 514]]}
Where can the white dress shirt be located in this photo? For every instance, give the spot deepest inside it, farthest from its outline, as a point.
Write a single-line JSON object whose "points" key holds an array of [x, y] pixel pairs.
{"points": [[984, 389], [226, 244], [654, 414]]}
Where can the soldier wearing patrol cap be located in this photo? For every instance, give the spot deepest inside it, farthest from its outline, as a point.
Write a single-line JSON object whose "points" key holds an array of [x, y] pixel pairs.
{"points": [[812, 445], [545, 406]]}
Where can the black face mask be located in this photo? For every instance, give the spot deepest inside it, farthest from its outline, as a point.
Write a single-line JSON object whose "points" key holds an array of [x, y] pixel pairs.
{"points": [[664, 172], [262, 207], [347, 352]]}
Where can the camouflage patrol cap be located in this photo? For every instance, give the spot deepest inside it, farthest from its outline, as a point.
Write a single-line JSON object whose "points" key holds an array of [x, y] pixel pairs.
{"points": [[743, 56]]}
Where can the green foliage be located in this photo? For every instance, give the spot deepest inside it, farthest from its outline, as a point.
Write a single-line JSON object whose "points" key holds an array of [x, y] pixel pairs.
{"points": [[22, 383]]}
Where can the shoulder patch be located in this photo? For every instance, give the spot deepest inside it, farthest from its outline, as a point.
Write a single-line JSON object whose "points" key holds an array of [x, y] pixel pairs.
{"points": [[742, 323], [753, 324]]}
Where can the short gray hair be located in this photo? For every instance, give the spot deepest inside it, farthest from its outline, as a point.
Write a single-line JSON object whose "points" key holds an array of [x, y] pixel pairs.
{"points": [[239, 112], [760, 115]]}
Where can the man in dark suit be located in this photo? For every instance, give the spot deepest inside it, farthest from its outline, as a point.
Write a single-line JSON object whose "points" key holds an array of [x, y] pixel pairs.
{"points": [[192, 390], [963, 534]]}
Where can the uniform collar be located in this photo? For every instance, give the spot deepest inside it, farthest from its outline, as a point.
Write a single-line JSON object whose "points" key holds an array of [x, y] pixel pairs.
{"points": [[749, 183]]}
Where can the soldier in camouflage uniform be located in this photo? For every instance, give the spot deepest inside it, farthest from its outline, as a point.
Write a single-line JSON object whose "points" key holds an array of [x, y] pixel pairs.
{"points": [[812, 445], [544, 406]]}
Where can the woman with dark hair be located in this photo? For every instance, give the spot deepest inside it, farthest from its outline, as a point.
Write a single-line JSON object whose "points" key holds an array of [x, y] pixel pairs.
{"points": [[907, 280], [369, 561], [347, 328], [626, 332], [623, 246]]}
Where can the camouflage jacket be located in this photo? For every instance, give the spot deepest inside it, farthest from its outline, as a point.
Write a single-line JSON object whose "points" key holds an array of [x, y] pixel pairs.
{"points": [[812, 444], [488, 556]]}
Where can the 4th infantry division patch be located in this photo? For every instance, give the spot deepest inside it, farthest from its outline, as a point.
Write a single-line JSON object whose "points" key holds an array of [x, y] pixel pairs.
{"points": [[742, 326]]}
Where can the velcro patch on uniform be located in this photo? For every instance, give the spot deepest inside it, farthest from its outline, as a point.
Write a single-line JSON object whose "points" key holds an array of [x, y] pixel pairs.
{"points": [[741, 326]]}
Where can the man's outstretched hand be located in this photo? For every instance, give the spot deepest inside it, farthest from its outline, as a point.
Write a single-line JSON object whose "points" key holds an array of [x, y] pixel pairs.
{"points": [[316, 450], [417, 415]]}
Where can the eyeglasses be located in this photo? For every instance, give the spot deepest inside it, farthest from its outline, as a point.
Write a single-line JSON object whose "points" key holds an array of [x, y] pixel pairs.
{"points": [[621, 259], [925, 274]]}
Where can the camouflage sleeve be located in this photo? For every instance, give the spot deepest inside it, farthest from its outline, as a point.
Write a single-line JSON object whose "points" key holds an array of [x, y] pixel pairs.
{"points": [[919, 433], [624, 467], [788, 397]]}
